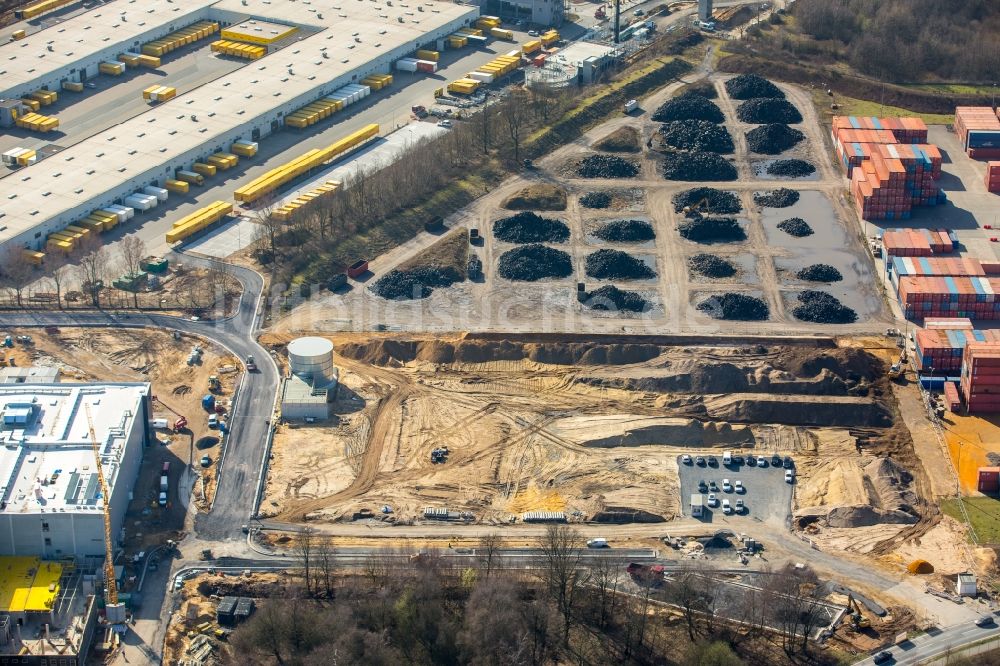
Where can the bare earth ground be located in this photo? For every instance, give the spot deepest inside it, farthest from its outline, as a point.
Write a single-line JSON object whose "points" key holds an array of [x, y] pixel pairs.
{"points": [[768, 258]]}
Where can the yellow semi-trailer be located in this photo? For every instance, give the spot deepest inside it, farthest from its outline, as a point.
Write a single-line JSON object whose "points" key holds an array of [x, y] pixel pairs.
{"points": [[206, 170], [190, 177], [175, 185]]}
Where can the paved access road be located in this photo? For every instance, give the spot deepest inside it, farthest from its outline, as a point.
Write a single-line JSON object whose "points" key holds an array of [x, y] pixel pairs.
{"points": [[249, 422], [927, 648]]}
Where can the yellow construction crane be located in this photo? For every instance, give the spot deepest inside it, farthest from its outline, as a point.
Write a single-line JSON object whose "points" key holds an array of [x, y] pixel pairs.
{"points": [[114, 612]]}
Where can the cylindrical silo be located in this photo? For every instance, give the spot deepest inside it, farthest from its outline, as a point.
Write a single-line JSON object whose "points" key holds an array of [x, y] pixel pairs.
{"points": [[312, 359]]}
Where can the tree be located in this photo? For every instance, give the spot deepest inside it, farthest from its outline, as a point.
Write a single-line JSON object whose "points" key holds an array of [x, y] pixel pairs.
{"points": [[483, 121], [686, 590], [268, 226], [131, 251], [515, 117], [59, 271], [494, 631], [326, 560], [716, 653], [304, 542], [562, 554], [488, 551], [17, 273], [92, 271], [605, 574]]}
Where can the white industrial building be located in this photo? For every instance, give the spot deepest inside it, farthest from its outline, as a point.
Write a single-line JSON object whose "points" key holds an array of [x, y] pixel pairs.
{"points": [[312, 382], [339, 42], [536, 12], [50, 503]]}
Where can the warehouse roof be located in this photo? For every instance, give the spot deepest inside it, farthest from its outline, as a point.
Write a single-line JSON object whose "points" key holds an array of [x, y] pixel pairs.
{"points": [[46, 459], [111, 158], [61, 45], [27, 584]]}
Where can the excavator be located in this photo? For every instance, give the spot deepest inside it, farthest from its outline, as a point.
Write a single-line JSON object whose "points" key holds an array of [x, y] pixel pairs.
{"points": [[858, 621], [114, 611]]}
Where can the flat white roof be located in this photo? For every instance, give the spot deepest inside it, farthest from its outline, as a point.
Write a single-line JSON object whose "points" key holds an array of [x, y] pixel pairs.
{"points": [[87, 34], [351, 32], [46, 457], [577, 52]]}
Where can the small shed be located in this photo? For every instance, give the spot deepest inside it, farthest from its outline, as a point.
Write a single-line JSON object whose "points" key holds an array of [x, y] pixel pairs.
{"points": [[225, 611], [697, 505], [244, 608], [965, 585]]}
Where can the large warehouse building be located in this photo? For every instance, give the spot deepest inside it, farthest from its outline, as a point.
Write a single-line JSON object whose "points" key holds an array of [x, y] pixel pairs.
{"points": [[335, 43], [50, 504]]}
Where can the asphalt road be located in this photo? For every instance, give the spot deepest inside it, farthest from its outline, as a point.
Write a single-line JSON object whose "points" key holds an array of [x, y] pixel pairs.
{"points": [[244, 449], [929, 647]]}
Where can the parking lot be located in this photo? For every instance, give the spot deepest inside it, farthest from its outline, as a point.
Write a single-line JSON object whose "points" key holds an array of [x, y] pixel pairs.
{"points": [[766, 495]]}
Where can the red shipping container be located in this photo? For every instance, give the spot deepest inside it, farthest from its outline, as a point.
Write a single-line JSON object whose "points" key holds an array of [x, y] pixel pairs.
{"points": [[989, 480]]}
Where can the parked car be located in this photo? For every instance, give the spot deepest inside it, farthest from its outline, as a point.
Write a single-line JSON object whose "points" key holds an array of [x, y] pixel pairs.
{"points": [[740, 506], [882, 657], [727, 486], [727, 508], [751, 461], [162, 501], [776, 460], [713, 500], [700, 461], [444, 123], [788, 463], [702, 486], [686, 459], [789, 476], [205, 461], [761, 461], [712, 485], [984, 621], [532, 33], [738, 486], [713, 461], [597, 543]]}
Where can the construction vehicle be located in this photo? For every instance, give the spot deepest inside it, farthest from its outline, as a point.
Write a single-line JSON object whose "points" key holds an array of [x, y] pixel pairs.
{"points": [[214, 384], [114, 612], [898, 368], [646, 575], [858, 621], [439, 455], [251, 364], [600, 14], [181, 421]]}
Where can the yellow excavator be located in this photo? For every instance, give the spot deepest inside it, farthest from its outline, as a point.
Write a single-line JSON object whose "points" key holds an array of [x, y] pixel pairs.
{"points": [[858, 621], [114, 612]]}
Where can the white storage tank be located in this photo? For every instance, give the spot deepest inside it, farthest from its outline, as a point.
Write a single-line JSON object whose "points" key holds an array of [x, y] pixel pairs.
{"points": [[312, 358]]}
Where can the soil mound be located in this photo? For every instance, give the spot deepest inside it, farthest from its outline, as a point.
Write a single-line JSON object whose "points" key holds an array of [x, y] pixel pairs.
{"points": [[822, 308], [626, 231], [529, 263], [711, 266], [689, 107], [697, 135], [595, 200], [623, 515], [820, 273], [622, 140], [606, 166], [796, 226], [793, 410], [793, 168], [707, 200], [866, 516], [712, 230], [540, 196], [617, 265], [779, 198], [385, 352], [610, 298], [530, 227], [698, 166], [738, 307], [415, 283], [846, 362], [772, 139], [763, 110], [748, 86]]}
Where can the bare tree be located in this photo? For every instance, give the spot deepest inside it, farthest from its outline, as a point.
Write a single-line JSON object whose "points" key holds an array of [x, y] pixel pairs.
{"points": [[515, 119], [59, 271], [326, 561], [268, 226], [17, 273], [562, 554], [304, 546], [131, 252], [92, 271], [488, 551], [483, 122], [686, 590], [605, 574]]}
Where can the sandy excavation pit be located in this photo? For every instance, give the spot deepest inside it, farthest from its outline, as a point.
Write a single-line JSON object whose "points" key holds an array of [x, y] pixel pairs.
{"points": [[589, 429]]}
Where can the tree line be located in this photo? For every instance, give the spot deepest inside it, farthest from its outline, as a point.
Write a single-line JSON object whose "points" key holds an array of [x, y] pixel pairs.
{"points": [[564, 608], [908, 41]]}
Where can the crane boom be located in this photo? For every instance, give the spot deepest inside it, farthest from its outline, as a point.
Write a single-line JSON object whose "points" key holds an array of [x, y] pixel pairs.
{"points": [[111, 596]]}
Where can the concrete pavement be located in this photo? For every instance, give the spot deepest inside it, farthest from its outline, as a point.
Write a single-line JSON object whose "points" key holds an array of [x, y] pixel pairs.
{"points": [[933, 645]]}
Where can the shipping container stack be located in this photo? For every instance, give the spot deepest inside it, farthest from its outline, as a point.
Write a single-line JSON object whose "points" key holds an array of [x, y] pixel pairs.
{"points": [[972, 297], [993, 177], [916, 242], [891, 166], [978, 128], [980, 380], [941, 350]]}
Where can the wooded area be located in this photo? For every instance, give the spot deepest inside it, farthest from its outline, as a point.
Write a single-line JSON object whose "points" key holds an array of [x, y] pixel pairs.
{"points": [[422, 609], [907, 40]]}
